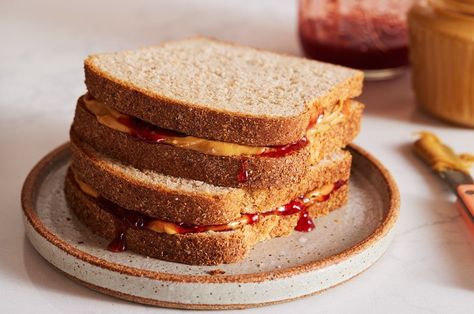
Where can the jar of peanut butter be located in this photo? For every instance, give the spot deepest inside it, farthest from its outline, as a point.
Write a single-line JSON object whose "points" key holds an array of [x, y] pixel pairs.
{"points": [[442, 56]]}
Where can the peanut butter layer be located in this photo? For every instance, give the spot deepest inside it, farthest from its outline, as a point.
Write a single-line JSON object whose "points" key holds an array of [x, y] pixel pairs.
{"points": [[262, 171], [298, 206], [113, 119]]}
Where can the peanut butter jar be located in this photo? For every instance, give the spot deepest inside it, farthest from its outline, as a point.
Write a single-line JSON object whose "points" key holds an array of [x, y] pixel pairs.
{"points": [[442, 56]]}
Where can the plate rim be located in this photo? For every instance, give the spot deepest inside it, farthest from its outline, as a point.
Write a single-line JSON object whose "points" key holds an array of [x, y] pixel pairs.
{"points": [[40, 170]]}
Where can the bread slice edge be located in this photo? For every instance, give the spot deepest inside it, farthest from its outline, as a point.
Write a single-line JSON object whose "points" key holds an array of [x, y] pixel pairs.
{"points": [[199, 121], [190, 201], [208, 248]]}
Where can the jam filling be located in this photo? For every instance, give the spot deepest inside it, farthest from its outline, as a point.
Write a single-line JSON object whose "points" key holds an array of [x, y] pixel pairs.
{"points": [[125, 219], [144, 131], [243, 175], [147, 132], [281, 151], [151, 133]]}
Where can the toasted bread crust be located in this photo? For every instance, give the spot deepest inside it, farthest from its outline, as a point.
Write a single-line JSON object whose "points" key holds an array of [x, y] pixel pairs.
{"points": [[216, 170], [160, 201], [209, 248], [204, 122]]}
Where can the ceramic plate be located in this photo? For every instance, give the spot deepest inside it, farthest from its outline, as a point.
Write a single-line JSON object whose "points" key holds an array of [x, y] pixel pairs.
{"points": [[344, 243]]}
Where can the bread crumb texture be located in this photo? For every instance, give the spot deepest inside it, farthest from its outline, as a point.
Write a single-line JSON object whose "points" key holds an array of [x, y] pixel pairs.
{"points": [[222, 76]]}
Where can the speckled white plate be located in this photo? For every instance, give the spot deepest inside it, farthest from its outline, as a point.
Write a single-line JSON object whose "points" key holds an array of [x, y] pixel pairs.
{"points": [[344, 243]]}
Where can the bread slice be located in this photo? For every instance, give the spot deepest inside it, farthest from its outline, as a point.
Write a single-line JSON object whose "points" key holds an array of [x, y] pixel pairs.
{"points": [[205, 248], [188, 201], [216, 170], [220, 91]]}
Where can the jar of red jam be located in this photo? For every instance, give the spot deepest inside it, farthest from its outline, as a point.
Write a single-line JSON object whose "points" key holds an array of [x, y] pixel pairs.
{"points": [[370, 35]]}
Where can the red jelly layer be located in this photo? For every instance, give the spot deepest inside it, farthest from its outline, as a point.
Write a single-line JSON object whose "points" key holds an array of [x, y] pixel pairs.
{"points": [[243, 174], [125, 219], [148, 132], [145, 131], [279, 151], [284, 150]]}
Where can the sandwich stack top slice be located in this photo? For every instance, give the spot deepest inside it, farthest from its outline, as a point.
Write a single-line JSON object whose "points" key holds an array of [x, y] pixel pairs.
{"points": [[193, 151], [220, 91]]}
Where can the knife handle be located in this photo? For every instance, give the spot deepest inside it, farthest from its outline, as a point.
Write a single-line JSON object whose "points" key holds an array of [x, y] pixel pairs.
{"points": [[466, 197]]}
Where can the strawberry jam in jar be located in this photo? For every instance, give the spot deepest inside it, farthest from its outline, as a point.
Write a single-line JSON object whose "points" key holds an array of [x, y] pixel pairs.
{"points": [[370, 35]]}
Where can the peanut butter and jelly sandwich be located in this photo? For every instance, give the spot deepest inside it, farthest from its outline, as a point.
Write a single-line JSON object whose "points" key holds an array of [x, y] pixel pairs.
{"points": [[193, 151]]}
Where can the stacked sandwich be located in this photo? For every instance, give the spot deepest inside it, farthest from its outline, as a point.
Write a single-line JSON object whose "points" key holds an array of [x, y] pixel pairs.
{"points": [[195, 150]]}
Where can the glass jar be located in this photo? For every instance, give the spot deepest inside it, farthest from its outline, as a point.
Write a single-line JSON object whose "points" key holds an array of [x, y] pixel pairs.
{"points": [[442, 44], [370, 35]]}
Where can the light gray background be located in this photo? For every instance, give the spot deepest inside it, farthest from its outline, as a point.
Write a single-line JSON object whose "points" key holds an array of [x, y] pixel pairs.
{"points": [[429, 267]]}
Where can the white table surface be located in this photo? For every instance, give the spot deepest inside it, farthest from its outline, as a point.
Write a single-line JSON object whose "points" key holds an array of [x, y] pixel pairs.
{"points": [[428, 269]]}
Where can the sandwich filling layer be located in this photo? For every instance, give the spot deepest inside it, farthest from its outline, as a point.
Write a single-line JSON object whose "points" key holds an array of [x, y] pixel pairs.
{"points": [[139, 129], [126, 218]]}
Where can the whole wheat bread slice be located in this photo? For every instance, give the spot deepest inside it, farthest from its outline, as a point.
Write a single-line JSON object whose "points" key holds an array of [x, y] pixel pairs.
{"points": [[189, 201], [221, 91], [216, 170], [206, 248]]}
